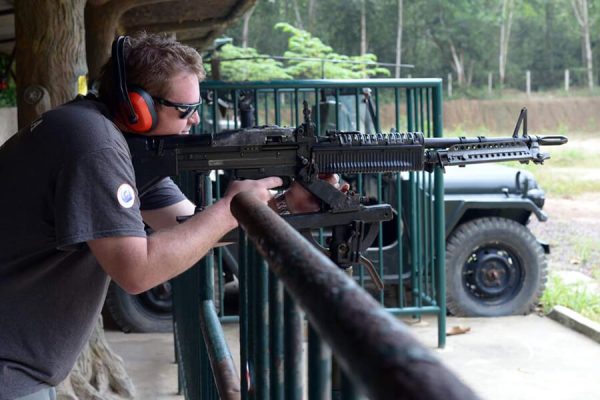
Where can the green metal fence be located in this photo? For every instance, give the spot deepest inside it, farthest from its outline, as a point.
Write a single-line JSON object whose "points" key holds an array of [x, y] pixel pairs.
{"points": [[408, 252]]}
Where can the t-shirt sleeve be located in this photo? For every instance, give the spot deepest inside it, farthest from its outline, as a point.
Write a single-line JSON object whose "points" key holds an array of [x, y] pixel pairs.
{"points": [[95, 198], [163, 194]]}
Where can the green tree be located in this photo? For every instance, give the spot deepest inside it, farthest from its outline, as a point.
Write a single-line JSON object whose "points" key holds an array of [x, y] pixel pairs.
{"points": [[246, 64], [303, 49]]}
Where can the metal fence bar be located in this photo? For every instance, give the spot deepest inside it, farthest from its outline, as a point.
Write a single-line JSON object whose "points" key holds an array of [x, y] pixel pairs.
{"points": [[244, 306], [292, 327], [419, 247], [319, 367], [439, 221], [226, 377], [261, 329], [385, 361], [276, 355]]}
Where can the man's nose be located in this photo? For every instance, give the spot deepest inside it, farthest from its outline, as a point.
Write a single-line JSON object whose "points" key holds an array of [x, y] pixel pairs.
{"points": [[194, 119]]}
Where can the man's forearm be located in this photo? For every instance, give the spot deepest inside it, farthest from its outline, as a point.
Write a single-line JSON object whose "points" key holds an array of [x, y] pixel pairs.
{"points": [[138, 264]]}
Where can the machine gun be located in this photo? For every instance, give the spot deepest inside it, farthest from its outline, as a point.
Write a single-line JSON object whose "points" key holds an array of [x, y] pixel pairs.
{"points": [[298, 154]]}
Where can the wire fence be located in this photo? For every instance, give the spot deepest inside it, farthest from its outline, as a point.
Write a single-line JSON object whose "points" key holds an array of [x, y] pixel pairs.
{"points": [[528, 81]]}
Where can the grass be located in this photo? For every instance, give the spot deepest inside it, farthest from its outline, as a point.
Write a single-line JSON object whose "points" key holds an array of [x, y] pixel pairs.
{"points": [[584, 248], [574, 296], [482, 93], [558, 176], [561, 176], [559, 184], [595, 270]]}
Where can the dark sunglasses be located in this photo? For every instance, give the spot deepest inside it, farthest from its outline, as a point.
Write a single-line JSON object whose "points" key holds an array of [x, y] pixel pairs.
{"points": [[185, 109]]}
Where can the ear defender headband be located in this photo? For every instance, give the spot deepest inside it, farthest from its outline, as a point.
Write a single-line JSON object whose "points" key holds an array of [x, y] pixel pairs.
{"points": [[136, 107]]}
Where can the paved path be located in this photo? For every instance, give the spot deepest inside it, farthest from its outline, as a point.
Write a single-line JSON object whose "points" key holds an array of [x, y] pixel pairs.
{"points": [[513, 358]]}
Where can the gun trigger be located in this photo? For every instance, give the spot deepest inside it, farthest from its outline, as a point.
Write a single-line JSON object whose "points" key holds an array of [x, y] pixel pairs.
{"points": [[372, 272]]}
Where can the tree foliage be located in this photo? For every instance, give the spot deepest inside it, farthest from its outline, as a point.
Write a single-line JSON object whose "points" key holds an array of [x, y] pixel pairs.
{"points": [[306, 57], [246, 64], [302, 46], [545, 36]]}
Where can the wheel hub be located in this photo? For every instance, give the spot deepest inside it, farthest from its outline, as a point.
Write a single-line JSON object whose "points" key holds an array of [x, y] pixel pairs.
{"points": [[492, 274]]}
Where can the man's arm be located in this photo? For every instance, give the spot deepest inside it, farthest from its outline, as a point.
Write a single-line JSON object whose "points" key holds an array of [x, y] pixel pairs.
{"points": [[166, 217], [138, 264]]}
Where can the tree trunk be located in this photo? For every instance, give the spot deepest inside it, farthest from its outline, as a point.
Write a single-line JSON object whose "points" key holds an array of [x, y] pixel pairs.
{"points": [[98, 374], [246, 27], [399, 39], [581, 10], [505, 26], [50, 54], [299, 23], [312, 5], [102, 21], [363, 27], [458, 65], [101, 27]]}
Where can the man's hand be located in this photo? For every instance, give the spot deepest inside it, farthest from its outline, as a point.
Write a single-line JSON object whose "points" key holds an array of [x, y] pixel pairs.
{"points": [[259, 188], [299, 200]]}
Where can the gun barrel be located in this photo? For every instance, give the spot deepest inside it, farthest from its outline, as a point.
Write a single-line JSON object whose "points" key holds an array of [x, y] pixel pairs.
{"points": [[440, 143]]}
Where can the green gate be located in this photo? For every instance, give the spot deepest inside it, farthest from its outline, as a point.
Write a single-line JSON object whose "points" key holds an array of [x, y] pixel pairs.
{"points": [[408, 252]]}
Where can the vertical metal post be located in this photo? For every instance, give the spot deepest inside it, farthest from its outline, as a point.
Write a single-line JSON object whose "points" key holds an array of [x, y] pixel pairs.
{"points": [[293, 348], [567, 80], [377, 111], [234, 94], [206, 275], [261, 322], [266, 108], [317, 118], [277, 107], [276, 371], [244, 342], [337, 108], [319, 367], [399, 225], [439, 222], [380, 238]]}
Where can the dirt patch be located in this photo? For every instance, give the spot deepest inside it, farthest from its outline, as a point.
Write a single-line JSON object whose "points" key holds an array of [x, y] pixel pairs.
{"points": [[573, 232], [562, 114]]}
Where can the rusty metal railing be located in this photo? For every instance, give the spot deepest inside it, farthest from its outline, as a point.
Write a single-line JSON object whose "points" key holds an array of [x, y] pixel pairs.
{"points": [[374, 349], [271, 322]]}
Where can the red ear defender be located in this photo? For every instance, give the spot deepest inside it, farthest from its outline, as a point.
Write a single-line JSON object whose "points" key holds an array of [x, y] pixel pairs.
{"points": [[135, 107], [143, 106]]}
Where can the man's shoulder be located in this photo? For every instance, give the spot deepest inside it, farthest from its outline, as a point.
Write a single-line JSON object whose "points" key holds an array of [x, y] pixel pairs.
{"points": [[81, 124], [78, 113]]}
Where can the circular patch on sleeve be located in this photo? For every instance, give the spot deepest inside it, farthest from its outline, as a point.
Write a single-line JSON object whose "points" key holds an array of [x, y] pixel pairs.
{"points": [[126, 195]]}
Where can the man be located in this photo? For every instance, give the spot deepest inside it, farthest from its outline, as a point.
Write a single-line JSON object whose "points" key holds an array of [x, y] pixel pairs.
{"points": [[68, 198]]}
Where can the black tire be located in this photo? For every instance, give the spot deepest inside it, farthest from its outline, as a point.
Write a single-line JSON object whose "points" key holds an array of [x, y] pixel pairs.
{"points": [[147, 312], [494, 267]]}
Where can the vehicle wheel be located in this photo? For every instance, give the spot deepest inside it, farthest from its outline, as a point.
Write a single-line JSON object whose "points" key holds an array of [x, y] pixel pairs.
{"points": [[494, 266], [147, 312], [150, 311]]}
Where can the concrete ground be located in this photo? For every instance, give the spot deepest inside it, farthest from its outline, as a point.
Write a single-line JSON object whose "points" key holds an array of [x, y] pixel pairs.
{"points": [[529, 357]]}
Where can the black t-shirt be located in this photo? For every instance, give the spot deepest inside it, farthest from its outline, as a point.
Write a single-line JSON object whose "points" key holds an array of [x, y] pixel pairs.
{"points": [[65, 180]]}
